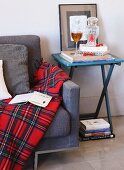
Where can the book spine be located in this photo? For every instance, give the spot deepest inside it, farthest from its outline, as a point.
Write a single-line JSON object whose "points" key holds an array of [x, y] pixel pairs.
{"points": [[66, 57], [97, 130], [93, 127], [97, 134], [96, 137]]}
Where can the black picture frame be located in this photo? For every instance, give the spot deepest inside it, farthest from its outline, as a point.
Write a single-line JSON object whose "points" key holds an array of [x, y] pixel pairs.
{"points": [[67, 10]]}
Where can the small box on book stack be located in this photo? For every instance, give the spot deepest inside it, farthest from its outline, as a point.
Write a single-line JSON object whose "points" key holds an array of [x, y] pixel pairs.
{"points": [[94, 129], [99, 49]]}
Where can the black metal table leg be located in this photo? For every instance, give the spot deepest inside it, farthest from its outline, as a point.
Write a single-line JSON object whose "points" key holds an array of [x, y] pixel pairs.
{"points": [[105, 85], [107, 99], [71, 72], [59, 65]]}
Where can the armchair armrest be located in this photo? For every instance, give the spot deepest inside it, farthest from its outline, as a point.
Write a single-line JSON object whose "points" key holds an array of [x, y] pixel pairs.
{"points": [[71, 96]]}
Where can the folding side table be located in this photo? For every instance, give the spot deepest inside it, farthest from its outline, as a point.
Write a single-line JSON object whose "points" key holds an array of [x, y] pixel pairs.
{"points": [[105, 77]]}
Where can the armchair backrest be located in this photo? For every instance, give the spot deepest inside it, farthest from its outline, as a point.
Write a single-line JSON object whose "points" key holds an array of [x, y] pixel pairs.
{"points": [[32, 42]]}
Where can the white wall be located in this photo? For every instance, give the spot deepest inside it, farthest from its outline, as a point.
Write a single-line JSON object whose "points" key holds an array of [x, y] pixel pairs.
{"points": [[39, 17]]}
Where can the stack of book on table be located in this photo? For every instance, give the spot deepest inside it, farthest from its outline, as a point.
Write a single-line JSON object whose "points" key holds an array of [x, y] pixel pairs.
{"points": [[94, 129], [87, 54]]}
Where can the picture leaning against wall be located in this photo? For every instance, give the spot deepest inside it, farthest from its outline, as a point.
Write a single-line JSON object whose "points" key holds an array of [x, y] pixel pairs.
{"points": [[68, 15]]}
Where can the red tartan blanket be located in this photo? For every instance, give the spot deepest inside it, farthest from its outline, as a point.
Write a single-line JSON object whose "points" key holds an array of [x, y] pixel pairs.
{"points": [[22, 126]]}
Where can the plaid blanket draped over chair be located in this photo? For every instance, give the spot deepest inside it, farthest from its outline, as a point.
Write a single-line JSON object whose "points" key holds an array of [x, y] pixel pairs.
{"points": [[23, 125]]}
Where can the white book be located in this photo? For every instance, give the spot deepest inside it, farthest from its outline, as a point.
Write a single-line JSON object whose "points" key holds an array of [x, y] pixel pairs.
{"points": [[70, 57], [94, 124]]}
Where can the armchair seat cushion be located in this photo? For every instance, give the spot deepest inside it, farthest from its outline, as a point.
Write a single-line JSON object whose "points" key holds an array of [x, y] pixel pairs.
{"points": [[60, 125]]}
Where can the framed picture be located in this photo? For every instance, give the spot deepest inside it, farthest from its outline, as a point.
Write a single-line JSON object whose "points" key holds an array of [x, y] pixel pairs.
{"points": [[67, 14]]}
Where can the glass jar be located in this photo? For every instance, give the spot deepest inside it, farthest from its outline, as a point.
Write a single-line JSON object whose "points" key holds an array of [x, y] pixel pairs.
{"points": [[92, 31]]}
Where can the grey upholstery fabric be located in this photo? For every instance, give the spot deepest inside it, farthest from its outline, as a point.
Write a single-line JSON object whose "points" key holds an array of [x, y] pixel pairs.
{"points": [[71, 93], [57, 129], [71, 96], [15, 68], [32, 42]]}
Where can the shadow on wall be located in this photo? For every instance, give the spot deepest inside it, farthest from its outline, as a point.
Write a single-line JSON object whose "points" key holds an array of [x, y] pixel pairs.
{"points": [[102, 34], [45, 50]]}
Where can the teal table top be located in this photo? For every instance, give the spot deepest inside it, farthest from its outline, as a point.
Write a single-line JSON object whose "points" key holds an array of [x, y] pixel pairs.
{"points": [[57, 57]]}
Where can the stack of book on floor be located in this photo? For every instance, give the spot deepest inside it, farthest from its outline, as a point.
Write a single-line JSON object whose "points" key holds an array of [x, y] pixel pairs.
{"points": [[94, 129]]}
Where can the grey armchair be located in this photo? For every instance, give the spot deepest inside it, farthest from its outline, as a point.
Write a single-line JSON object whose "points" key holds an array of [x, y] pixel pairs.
{"points": [[63, 132]]}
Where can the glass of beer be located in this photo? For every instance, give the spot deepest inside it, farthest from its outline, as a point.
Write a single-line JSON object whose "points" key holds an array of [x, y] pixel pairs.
{"points": [[76, 35]]}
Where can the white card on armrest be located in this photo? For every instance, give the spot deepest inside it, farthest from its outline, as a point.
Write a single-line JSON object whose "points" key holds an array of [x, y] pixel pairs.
{"points": [[40, 99]]}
